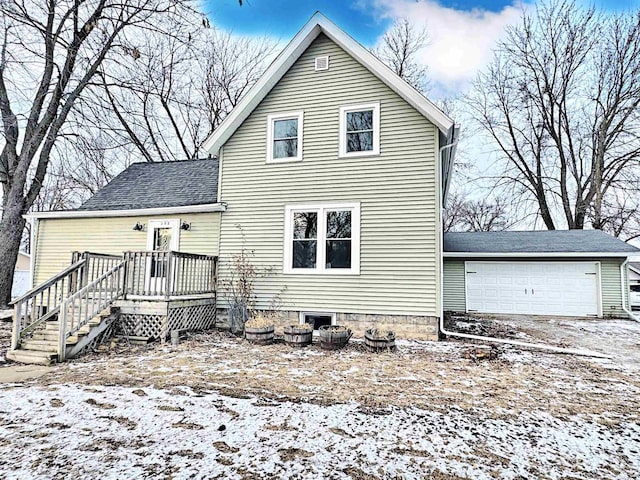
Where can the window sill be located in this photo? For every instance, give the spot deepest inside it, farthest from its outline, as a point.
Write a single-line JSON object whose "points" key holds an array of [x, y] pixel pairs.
{"points": [[283, 160], [321, 272], [359, 154]]}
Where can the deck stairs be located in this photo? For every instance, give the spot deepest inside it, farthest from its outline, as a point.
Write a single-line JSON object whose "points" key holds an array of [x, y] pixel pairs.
{"points": [[69, 312], [42, 347]]}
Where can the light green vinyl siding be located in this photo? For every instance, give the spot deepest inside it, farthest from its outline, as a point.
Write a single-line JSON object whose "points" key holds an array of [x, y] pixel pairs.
{"points": [[454, 283], [611, 291], [453, 286], [397, 192], [58, 237]]}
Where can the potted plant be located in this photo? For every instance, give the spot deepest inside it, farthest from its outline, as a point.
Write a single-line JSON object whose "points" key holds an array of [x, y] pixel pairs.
{"points": [[298, 335], [333, 337], [259, 329], [377, 340]]}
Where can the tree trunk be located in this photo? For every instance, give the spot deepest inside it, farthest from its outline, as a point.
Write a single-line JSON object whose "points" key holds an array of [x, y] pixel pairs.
{"points": [[11, 228]]}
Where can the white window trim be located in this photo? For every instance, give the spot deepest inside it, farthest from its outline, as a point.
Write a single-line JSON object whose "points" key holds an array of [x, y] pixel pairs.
{"points": [[173, 224], [270, 130], [324, 314], [343, 129], [320, 269]]}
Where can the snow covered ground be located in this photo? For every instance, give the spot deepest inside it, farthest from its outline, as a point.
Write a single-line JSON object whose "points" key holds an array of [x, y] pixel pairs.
{"points": [[73, 431], [217, 407]]}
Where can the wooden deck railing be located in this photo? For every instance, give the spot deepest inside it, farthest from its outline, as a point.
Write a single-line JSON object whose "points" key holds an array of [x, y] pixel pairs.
{"points": [[43, 302], [78, 309], [169, 274], [94, 280]]}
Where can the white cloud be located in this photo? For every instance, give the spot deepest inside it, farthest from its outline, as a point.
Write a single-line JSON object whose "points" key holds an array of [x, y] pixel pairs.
{"points": [[461, 41]]}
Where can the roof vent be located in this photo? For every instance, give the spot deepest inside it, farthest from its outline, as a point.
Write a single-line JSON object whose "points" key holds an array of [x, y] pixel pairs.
{"points": [[322, 63]]}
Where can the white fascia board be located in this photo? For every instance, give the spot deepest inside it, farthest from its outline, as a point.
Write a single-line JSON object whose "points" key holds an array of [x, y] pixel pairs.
{"points": [[296, 47], [384, 73], [139, 212], [533, 254], [263, 86]]}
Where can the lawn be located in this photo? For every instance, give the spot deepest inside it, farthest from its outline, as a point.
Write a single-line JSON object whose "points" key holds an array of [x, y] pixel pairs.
{"points": [[217, 407]]}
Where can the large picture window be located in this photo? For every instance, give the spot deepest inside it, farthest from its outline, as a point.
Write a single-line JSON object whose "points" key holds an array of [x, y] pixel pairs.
{"points": [[322, 239], [360, 130], [284, 137]]}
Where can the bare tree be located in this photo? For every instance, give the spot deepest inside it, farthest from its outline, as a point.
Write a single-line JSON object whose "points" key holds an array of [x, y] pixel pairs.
{"points": [[484, 215], [50, 52], [561, 102], [178, 88], [399, 49]]}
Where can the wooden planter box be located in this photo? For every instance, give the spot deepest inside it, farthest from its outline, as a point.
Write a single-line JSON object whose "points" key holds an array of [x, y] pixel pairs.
{"points": [[298, 336], [379, 341], [333, 337], [259, 335]]}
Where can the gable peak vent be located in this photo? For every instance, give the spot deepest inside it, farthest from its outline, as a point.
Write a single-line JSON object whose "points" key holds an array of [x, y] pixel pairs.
{"points": [[322, 63]]}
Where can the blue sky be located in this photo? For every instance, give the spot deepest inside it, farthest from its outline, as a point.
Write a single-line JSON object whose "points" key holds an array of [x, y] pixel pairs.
{"points": [[462, 33], [283, 18]]}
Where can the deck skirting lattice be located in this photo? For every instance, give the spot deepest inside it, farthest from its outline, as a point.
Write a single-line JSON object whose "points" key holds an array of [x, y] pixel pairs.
{"points": [[198, 316], [141, 325], [156, 319]]}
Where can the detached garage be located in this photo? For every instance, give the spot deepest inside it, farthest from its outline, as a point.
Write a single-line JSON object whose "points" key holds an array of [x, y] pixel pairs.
{"points": [[578, 273]]}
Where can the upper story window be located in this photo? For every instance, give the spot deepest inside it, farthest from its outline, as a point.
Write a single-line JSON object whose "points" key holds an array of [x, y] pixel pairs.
{"points": [[360, 130], [322, 239], [284, 137]]}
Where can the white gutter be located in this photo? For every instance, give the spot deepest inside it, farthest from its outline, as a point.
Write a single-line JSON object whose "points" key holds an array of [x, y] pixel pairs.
{"points": [[533, 254], [539, 346], [623, 292], [136, 212]]}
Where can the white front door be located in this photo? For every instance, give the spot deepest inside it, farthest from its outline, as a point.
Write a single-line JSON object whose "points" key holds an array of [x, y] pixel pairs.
{"points": [[534, 288], [162, 236]]}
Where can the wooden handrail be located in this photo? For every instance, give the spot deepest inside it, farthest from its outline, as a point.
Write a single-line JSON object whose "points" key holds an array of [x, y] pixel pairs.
{"points": [[91, 299], [43, 286]]}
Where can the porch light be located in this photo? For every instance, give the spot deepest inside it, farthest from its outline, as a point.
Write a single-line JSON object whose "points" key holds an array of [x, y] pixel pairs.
{"points": [[138, 227], [185, 226]]}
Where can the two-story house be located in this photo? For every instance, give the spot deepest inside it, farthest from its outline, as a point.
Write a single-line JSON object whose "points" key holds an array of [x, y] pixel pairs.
{"points": [[332, 172]]}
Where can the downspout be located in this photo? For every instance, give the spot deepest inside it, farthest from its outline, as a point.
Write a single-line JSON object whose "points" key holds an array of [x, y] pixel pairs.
{"points": [[539, 346], [623, 292]]}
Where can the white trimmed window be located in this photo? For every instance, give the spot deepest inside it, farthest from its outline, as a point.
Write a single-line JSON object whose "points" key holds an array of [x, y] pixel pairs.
{"points": [[322, 239], [360, 130], [284, 137]]}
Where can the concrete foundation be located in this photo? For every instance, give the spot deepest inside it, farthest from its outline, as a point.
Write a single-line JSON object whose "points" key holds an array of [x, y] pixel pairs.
{"points": [[404, 326]]}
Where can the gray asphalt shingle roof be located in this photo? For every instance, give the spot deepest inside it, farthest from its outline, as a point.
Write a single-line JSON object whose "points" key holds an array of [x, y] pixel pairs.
{"points": [[543, 241], [160, 184]]}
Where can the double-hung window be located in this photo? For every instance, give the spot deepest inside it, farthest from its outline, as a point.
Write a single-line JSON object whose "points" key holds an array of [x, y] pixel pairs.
{"points": [[360, 130], [322, 239], [284, 137]]}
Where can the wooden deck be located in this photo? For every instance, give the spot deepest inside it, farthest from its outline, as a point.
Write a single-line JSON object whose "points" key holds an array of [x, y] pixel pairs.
{"points": [[179, 287]]}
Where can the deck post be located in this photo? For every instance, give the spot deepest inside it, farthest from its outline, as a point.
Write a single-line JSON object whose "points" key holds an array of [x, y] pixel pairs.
{"points": [[125, 274], [15, 330], [62, 332], [169, 279]]}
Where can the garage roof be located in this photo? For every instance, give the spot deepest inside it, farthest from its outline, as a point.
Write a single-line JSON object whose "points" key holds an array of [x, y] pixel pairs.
{"points": [[159, 184], [532, 243]]}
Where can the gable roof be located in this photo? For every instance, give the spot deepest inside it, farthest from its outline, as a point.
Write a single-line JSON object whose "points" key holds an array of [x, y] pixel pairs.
{"points": [[316, 25], [532, 243], [158, 185]]}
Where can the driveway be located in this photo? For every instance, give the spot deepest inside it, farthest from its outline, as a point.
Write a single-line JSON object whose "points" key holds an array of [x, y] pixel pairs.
{"points": [[617, 338]]}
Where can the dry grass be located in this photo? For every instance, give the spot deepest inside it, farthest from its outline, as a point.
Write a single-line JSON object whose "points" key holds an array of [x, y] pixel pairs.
{"points": [[260, 321], [424, 374]]}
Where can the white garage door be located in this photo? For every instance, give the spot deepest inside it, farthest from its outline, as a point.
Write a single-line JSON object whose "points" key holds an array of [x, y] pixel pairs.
{"points": [[535, 288]]}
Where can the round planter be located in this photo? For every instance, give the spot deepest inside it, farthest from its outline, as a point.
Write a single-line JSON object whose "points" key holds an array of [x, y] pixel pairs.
{"points": [[333, 337], [259, 335], [297, 336], [376, 342]]}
